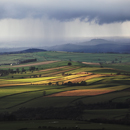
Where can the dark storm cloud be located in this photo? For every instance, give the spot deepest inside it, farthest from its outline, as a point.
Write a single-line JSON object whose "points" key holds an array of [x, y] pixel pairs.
{"points": [[102, 11]]}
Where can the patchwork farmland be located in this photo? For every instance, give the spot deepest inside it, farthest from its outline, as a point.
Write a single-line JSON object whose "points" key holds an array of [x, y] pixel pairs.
{"points": [[56, 85]]}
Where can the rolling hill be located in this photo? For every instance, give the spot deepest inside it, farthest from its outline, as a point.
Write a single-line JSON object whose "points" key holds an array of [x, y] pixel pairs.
{"points": [[15, 51]]}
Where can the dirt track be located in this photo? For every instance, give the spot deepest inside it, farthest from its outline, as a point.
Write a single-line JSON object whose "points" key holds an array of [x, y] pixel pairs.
{"points": [[33, 64], [90, 63]]}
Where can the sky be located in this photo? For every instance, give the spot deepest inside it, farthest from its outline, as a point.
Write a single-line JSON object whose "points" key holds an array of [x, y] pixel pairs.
{"points": [[44, 22]]}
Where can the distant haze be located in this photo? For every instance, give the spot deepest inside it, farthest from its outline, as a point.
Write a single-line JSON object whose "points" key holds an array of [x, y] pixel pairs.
{"points": [[92, 46], [48, 43], [25, 23]]}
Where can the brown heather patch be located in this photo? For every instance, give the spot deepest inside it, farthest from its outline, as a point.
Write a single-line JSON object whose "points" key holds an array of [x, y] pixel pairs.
{"points": [[84, 92]]}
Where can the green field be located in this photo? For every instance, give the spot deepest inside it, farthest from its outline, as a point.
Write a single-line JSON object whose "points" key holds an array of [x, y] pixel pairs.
{"points": [[32, 95], [117, 61]]}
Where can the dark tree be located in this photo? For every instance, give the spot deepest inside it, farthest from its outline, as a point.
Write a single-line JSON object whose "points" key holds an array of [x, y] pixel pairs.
{"points": [[57, 83], [17, 70], [32, 68], [49, 83], [23, 70], [83, 83], [70, 83], [69, 63]]}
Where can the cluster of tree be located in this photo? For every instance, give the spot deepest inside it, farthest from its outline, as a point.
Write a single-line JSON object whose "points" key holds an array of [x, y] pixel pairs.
{"points": [[32, 68], [12, 71], [6, 72], [3, 72], [16, 71], [49, 83], [28, 60], [6, 64], [69, 63], [83, 83]]}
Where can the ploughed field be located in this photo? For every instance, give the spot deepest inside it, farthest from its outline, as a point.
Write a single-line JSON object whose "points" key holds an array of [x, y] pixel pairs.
{"points": [[92, 90]]}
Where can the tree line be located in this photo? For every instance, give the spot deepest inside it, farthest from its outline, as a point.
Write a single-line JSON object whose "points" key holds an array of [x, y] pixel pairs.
{"points": [[68, 113], [17, 70], [28, 60]]}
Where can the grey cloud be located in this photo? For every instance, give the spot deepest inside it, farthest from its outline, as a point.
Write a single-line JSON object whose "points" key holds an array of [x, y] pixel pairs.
{"points": [[103, 11]]}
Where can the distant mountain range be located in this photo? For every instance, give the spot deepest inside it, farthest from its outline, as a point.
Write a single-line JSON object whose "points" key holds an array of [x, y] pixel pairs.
{"points": [[92, 46]]}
